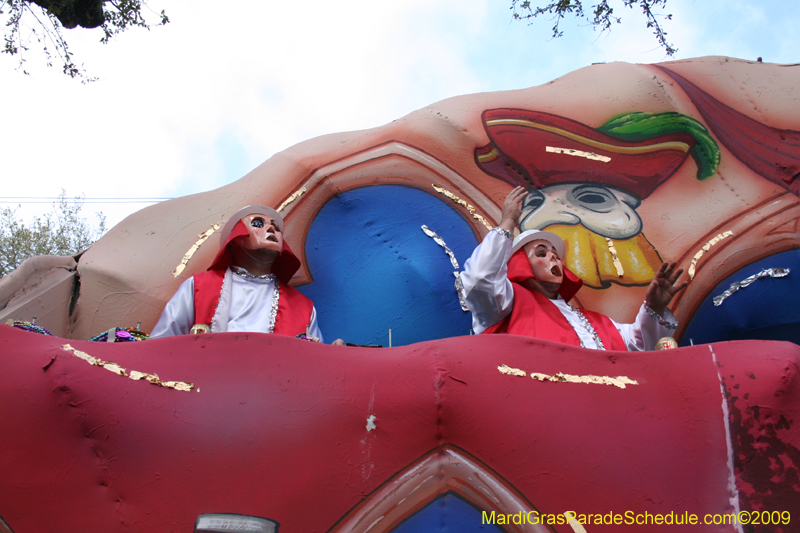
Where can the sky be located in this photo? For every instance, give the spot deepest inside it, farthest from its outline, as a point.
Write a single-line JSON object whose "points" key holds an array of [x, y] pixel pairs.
{"points": [[198, 103]]}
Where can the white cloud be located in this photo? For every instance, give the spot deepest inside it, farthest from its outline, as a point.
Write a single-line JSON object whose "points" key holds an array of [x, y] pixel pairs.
{"points": [[200, 102]]}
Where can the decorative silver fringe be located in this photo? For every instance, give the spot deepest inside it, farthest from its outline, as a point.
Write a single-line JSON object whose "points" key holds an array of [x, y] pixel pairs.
{"points": [[460, 291], [589, 328], [459, 286], [766, 273], [273, 312]]}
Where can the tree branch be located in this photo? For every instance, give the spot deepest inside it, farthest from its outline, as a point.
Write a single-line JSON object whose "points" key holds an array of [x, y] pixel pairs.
{"points": [[603, 15], [49, 17]]}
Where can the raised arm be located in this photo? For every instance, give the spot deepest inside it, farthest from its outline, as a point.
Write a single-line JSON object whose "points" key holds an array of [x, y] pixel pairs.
{"points": [[489, 294], [657, 321]]}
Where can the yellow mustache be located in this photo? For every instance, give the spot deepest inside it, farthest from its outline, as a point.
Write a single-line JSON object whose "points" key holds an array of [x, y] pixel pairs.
{"points": [[590, 258]]}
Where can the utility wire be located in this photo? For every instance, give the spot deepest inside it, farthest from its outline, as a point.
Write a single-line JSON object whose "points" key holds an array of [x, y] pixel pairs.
{"points": [[51, 199]]}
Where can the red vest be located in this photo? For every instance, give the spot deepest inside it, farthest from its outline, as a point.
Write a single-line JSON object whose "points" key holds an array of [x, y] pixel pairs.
{"points": [[294, 309], [534, 315]]}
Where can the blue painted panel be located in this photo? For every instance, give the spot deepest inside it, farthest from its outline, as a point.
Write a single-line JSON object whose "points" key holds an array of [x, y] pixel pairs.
{"points": [[447, 514], [374, 268], [768, 309]]}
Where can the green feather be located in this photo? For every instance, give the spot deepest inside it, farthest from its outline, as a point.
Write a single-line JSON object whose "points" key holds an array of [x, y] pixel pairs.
{"points": [[643, 126]]}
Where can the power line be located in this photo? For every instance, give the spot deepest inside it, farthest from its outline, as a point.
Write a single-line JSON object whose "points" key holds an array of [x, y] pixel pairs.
{"points": [[51, 199]]}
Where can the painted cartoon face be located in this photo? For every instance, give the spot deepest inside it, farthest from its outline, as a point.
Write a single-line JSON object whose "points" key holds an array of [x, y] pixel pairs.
{"points": [[547, 267], [604, 210], [263, 234]]}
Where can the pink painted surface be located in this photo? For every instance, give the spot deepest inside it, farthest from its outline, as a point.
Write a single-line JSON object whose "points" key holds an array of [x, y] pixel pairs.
{"points": [[277, 427]]}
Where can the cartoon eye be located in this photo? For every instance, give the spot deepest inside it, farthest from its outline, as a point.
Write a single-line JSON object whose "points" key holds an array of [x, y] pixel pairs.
{"points": [[593, 198], [257, 222], [533, 201]]}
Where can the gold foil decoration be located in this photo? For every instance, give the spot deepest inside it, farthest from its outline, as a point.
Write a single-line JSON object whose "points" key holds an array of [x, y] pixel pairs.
{"points": [[706, 247], [134, 375], [197, 329], [614, 258], [155, 380], [459, 201], [619, 381], [294, 196], [113, 367], [578, 153], [188, 255], [505, 369]]}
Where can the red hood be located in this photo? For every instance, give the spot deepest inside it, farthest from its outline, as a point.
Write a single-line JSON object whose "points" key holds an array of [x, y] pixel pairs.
{"points": [[519, 269], [284, 267]]}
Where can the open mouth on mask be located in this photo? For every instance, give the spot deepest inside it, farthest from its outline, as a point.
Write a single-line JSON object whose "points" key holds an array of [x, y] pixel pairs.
{"points": [[555, 270]]}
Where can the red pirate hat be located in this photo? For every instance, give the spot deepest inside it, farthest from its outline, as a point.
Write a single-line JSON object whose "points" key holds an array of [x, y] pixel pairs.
{"points": [[531, 148]]}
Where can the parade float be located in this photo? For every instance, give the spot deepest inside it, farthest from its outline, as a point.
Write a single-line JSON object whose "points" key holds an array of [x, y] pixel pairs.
{"points": [[422, 426]]}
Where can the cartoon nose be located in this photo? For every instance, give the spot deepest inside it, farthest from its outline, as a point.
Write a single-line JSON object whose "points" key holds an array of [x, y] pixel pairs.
{"points": [[548, 213]]}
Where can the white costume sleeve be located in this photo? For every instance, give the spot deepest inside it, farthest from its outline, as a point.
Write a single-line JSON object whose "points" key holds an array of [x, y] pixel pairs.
{"points": [[313, 328], [488, 293], [646, 330], [178, 316]]}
